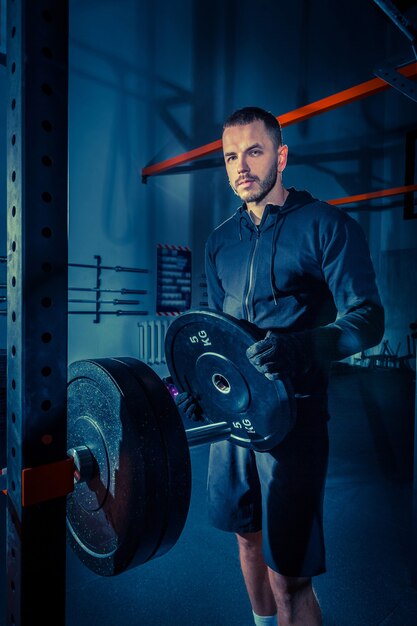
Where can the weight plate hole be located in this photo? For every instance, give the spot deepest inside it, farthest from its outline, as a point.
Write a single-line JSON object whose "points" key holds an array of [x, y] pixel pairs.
{"points": [[221, 383]]}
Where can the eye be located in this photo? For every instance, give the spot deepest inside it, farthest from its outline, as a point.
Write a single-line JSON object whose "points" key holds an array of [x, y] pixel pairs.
{"points": [[231, 157], [255, 152]]}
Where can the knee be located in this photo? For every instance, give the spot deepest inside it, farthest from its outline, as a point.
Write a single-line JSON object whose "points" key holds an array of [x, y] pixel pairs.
{"points": [[289, 590], [250, 543]]}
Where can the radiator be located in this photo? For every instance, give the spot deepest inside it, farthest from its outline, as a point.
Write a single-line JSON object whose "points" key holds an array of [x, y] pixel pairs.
{"points": [[152, 341]]}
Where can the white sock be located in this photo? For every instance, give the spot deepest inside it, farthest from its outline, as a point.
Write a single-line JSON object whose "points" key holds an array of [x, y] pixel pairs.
{"points": [[264, 620]]}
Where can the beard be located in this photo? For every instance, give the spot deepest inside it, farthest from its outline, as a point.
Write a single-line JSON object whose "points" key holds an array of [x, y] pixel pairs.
{"points": [[264, 186]]}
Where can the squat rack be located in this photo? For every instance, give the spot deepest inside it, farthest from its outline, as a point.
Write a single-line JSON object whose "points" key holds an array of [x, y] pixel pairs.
{"points": [[37, 258]]}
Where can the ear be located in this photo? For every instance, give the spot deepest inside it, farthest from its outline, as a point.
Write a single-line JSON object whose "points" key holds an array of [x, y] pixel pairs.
{"points": [[282, 157]]}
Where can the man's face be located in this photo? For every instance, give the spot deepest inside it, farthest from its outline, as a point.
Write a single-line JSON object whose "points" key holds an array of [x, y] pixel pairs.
{"points": [[251, 160]]}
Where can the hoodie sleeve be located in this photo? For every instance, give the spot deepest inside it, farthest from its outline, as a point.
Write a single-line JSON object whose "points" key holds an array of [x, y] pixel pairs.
{"points": [[348, 271], [214, 289]]}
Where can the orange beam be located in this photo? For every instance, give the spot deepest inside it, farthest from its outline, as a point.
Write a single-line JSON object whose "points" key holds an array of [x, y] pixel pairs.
{"points": [[368, 88], [383, 193], [197, 153]]}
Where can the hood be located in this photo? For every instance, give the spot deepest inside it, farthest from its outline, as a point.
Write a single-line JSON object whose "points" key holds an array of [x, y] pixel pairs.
{"points": [[294, 201]]}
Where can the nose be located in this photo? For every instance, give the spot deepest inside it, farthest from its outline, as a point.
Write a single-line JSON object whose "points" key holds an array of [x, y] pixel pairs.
{"points": [[242, 165]]}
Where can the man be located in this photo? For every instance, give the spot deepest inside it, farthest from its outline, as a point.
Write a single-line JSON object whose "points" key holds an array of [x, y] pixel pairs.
{"points": [[300, 269]]}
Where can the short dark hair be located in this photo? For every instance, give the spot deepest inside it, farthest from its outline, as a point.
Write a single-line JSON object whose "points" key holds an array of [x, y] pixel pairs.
{"points": [[247, 115]]}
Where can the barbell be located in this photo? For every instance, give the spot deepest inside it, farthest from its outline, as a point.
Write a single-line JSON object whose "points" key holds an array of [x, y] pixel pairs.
{"points": [[129, 446]]}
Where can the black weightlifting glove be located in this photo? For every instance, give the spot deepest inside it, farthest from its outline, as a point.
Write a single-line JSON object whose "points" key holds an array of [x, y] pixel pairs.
{"points": [[281, 354], [189, 407]]}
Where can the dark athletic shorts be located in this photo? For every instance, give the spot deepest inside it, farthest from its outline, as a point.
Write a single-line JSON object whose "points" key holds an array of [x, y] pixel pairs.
{"points": [[279, 492]]}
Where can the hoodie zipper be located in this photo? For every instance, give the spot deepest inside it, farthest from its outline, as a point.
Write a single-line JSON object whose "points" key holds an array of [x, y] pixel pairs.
{"points": [[252, 262]]}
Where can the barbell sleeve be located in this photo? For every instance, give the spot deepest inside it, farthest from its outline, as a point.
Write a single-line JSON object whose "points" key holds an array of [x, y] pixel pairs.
{"points": [[85, 466]]}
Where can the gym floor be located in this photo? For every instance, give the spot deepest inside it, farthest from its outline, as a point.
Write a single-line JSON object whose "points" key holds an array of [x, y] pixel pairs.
{"points": [[367, 525]]}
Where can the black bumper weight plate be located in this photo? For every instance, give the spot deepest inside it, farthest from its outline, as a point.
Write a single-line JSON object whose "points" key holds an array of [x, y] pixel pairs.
{"points": [[177, 455], [206, 356], [116, 520]]}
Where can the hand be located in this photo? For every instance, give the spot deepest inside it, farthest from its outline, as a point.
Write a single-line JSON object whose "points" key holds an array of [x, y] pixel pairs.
{"points": [[188, 407], [186, 404], [169, 384], [280, 354]]}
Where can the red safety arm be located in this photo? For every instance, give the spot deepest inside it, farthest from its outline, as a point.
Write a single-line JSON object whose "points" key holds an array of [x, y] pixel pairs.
{"points": [[44, 482]]}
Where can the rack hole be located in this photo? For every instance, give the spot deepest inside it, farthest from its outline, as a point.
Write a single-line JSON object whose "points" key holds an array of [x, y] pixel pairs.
{"points": [[46, 232], [46, 125], [47, 89], [47, 52], [47, 16]]}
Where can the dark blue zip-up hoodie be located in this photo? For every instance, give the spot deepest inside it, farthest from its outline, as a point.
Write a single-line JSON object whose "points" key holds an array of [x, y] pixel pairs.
{"points": [[306, 266]]}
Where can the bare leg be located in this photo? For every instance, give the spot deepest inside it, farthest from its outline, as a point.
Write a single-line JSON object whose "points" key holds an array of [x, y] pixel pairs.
{"points": [[255, 573], [296, 601]]}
